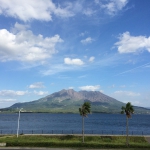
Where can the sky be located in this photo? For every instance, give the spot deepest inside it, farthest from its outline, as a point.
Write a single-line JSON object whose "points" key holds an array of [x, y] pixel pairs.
{"points": [[93, 45]]}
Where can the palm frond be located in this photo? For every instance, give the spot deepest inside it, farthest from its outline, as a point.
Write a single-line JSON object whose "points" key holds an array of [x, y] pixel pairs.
{"points": [[128, 109], [85, 109]]}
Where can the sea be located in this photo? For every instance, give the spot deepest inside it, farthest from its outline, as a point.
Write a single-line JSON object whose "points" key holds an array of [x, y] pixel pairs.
{"points": [[97, 123]]}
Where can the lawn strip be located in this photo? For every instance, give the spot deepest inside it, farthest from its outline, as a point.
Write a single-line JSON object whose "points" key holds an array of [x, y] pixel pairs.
{"points": [[71, 141]]}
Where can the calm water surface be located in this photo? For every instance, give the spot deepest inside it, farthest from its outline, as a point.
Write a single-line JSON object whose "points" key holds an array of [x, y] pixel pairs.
{"points": [[72, 123]]}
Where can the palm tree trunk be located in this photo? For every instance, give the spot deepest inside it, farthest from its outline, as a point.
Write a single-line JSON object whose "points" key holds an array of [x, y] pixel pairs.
{"points": [[83, 129], [127, 131]]}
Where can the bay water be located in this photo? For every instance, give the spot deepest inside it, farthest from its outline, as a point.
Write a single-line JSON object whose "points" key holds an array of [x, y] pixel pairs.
{"points": [[47, 123]]}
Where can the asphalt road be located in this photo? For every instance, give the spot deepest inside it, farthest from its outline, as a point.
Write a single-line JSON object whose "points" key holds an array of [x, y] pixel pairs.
{"points": [[22, 148]]}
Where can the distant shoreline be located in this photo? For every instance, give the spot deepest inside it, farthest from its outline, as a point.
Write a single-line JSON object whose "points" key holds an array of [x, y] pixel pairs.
{"points": [[7, 112]]}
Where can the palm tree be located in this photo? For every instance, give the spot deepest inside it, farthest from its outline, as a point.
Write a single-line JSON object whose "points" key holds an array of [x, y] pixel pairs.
{"points": [[128, 110], [84, 110]]}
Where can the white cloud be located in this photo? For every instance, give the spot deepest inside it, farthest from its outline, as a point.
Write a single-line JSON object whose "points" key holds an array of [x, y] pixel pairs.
{"points": [[19, 27], [87, 40], [27, 10], [71, 87], [132, 44], [41, 93], [90, 87], [88, 12], [37, 85], [126, 93], [70, 61], [91, 59], [12, 93], [7, 100], [102, 91], [44, 10], [129, 96], [25, 46], [113, 6]]}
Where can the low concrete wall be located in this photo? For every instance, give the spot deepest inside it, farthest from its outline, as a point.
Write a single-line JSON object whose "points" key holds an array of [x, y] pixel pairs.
{"points": [[2, 144]]}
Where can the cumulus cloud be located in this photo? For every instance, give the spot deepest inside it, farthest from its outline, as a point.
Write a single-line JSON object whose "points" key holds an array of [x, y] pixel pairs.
{"points": [[90, 87], [113, 6], [25, 46], [91, 59], [27, 10], [132, 44], [87, 40], [12, 93], [37, 85], [70, 61], [41, 93]]}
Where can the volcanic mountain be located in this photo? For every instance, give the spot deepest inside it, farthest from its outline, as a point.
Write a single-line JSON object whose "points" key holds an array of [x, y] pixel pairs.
{"points": [[69, 101]]}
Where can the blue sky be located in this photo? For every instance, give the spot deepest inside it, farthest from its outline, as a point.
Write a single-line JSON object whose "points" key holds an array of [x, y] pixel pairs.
{"points": [[50, 45]]}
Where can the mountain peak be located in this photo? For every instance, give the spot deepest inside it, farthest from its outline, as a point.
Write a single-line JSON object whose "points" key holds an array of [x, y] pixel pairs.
{"points": [[67, 90], [93, 96], [70, 101]]}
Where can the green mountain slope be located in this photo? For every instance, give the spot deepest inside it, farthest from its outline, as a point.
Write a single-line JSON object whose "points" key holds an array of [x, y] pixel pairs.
{"points": [[69, 101]]}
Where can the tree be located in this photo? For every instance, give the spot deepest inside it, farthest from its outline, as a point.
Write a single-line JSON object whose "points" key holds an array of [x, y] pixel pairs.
{"points": [[128, 110], [84, 110]]}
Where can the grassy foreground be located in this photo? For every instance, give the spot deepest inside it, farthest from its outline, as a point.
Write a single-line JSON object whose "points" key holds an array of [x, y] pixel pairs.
{"points": [[73, 141]]}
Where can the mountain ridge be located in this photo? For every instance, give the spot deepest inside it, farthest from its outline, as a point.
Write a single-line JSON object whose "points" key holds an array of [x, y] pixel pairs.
{"points": [[69, 101]]}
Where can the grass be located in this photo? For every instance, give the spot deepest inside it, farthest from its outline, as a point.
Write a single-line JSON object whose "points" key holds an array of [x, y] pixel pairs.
{"points": [[74, 141]]}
